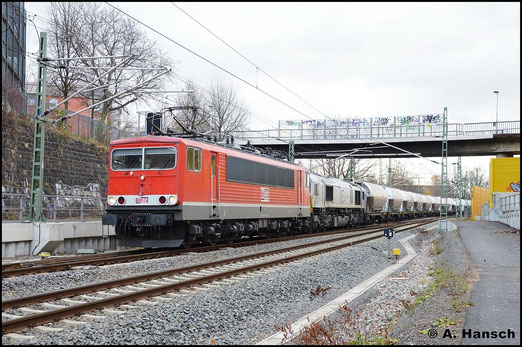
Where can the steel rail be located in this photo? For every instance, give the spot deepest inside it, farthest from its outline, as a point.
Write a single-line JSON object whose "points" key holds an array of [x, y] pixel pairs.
{"points": [[46, 317], [28, 300], [64, 259], [62, 264]]}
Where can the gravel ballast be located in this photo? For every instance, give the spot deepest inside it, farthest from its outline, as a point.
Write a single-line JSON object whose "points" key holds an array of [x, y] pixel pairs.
{"points": [[15, 287], [242, 312], [405, 306]]}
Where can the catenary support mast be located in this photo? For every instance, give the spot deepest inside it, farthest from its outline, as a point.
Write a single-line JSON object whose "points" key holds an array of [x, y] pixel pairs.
{"points": [[35, 209], [443, 218]]}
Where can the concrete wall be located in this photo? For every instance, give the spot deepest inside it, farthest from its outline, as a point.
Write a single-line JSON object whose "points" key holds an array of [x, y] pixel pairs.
{"points": [[506, 209], [55, 237]]}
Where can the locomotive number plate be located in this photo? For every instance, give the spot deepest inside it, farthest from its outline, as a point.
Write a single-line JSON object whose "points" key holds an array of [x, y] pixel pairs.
{"points": [[265, 194], [142, 200]]}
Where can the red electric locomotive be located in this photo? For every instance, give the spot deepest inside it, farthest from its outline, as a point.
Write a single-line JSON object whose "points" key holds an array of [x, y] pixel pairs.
{"points": [[168, 191]]}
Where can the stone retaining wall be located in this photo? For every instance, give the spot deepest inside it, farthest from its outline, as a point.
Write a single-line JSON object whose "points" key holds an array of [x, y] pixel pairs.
{"points": [[72, 166]]}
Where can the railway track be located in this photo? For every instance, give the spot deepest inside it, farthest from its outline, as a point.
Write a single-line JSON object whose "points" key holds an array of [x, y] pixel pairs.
{"points": [[175, 280], [67, 263]]}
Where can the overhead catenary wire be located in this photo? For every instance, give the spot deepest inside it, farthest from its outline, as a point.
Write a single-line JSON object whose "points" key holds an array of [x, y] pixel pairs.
{"points": [[186, 80], [210, 62], [255, 65], [88, 84], [110, 98], [39, 17], [403, 150], [252, 113]]}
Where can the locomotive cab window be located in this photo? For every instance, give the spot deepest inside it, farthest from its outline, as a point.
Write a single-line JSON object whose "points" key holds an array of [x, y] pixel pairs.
{"points": [[193, 159], [160, 158], [127, 159], [213, 165]]}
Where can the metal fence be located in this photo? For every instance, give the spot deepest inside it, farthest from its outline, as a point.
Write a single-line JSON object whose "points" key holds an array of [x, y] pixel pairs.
{"points": [[55, 207], [394, 130], [92, 128], [506, 202]]}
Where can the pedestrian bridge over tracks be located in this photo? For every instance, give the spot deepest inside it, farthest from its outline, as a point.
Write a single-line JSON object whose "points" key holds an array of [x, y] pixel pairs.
{"points": [[391, 140]]}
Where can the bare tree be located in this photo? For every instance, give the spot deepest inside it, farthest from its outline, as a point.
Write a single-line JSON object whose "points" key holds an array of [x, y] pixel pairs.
{"points": [[478, 177], [68, 14], [434, 189], [473, 177], [227, 112], [401, 174], [218, 111], [195, 117], [88, 30], [339, 168]]}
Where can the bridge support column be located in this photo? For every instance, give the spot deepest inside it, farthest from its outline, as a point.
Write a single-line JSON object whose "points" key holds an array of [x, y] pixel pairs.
{"points": [[504, 155]]}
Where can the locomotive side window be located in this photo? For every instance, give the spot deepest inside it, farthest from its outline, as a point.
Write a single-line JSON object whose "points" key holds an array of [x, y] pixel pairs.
{"points": [[247, 171], [316, 189], [193, 159], [329, 193], [160, 158], [358, 197], [127, 159]]}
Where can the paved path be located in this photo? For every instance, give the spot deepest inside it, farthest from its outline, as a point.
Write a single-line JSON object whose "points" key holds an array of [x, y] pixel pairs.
{"points": [[497, 292]]}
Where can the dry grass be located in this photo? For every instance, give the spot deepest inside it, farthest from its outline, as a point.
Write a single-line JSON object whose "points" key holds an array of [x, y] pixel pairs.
{"points": [[340, 331], [319, 291]]}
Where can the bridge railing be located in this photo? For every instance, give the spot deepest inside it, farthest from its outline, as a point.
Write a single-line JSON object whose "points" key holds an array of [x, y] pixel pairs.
{"points": [[506, 127], [380, 132]]}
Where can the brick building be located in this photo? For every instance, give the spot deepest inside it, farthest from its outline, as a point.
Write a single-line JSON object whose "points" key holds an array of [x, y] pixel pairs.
{"points": [[79, 125]]}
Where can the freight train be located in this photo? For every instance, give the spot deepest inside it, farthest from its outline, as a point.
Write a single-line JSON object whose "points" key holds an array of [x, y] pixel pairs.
{"points": [[173, 191]]}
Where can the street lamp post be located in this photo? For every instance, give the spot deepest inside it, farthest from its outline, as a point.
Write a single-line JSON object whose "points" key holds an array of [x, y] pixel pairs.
{"points": [[496, 123]]}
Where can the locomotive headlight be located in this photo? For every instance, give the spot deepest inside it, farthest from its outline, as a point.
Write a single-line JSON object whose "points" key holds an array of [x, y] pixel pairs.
{"points": [[111, 200], [173, 199], [142, 177]]}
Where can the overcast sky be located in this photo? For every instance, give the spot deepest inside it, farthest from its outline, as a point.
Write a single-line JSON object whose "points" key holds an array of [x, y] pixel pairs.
{"points": [[347, 59]]}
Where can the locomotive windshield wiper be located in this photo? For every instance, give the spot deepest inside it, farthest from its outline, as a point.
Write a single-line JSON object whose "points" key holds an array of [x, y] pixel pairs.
{"points": [[168, 161], [134, 162]]}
